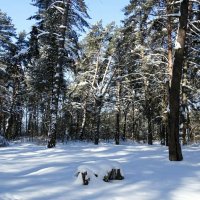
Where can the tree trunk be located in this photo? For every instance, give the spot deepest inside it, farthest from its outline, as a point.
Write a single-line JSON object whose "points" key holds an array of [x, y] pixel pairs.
{"points": [[82, 131], [133, 122], [170, 64], [97, 117], [175, 153], [165, 112], [58, 82], [150, 135], [169, 35], [117, 115], [162, 133], [185, 109], [12, 130], [117, 133], [124, 127]]}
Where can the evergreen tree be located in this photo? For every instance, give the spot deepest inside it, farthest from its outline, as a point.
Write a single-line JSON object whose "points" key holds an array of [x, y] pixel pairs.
{"points": [[95, 73], [7, 51], [58, 40]]}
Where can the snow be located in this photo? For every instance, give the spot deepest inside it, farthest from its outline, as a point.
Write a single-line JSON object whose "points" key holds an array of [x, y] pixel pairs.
{"points": [[31, 172], [43, 33], [61, 26], [177, 45], [23, 51]]}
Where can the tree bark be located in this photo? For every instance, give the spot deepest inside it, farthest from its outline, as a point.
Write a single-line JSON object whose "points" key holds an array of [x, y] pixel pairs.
{"points": [[175, 153], [124, 126], [169, 36], [58, 79], [150, 135], [82, 131], [97, 117], [185, 108], [117, 115]]}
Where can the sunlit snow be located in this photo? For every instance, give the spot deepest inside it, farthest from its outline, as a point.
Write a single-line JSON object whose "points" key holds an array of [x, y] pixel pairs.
{"points": [[31, 172]]}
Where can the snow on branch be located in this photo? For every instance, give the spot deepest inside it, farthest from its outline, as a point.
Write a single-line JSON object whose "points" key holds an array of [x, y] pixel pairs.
{"points": [[60, 9], [54, 3], [42, 33], [195, 27], [195, 1], [176, 2], [172, 15]]}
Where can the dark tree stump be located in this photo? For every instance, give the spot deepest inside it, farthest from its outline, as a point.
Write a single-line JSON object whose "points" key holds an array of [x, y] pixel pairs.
{"points": [[114, 174], [88, 173], [85, 179]]}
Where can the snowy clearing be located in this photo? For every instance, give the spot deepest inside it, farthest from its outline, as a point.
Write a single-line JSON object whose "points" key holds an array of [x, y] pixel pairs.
{"points": [[31, 172]]}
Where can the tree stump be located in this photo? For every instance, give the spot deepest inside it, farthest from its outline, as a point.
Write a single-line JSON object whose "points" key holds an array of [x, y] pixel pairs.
{"points": [[85, 179], [105, 172], [114, 174]]}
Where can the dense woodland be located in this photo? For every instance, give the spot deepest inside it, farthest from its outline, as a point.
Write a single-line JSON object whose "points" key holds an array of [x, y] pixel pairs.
{"points": [[140, 81]]}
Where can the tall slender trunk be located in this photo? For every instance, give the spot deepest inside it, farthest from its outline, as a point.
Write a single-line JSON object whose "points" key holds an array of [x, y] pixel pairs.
{"points": [[82, 131], [162, 133], [165, 118], [184, 106], [133, 122], [185, 109], [97, 118], [58, 79], [175, 153], [148, 111], [170, 65], [169, 36], [124, 126], [12, 130], [117, 114], [150, 135], [117, 133], [32, 124]]}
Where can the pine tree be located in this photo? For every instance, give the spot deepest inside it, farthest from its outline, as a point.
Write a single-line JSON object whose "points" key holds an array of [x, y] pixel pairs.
{"points": [[58, 39], [94, 76], [7, 51]]}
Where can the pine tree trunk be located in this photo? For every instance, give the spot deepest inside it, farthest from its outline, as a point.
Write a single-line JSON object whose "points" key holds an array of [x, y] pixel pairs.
{"points": [[53, 124], [97, 117], [162, 133], [124, 126], [117, 133], [148, 112], [165, 112], [117, 115], [170, 64], [184, 106], [185, 114], [175, 153], [169, 35], [9, 134], [12, 130], [133, 122], [150, 135], [82, 131], [58, 77]]}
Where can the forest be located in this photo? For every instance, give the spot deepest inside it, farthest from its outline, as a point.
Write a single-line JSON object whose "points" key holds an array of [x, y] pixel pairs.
{"points": [[139, 81]]}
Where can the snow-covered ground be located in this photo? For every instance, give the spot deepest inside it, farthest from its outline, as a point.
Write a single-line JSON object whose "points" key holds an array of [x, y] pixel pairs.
{"points": [[31, 172]]}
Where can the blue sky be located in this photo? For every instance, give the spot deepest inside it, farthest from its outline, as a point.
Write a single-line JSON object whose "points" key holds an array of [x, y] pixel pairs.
{"points": [[107, 10]]}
